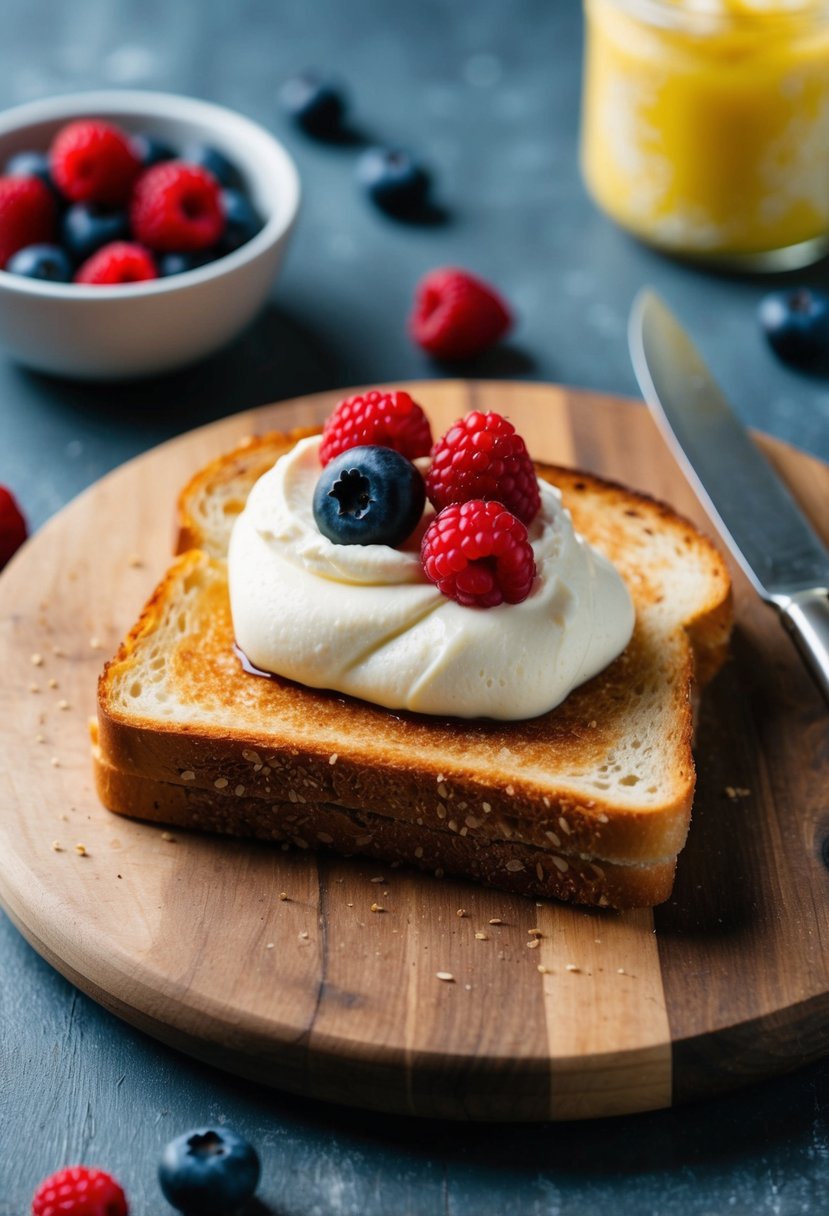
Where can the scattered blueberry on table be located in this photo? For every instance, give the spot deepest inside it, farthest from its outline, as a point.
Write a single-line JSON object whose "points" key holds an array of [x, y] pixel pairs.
{"points": [[394, 181], [796, 324], [317, 106], [210, 1171]]}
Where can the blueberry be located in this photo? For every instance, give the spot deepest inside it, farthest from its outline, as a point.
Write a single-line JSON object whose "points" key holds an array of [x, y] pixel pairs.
{"points": [[241, 220], [178, 263], [215, 162], [33, 164], [208, 1172], [369, 496], [394, 181], [151, 151], [315, 105], [796, 323], [86, 227], [30, 164], [47, 262]]}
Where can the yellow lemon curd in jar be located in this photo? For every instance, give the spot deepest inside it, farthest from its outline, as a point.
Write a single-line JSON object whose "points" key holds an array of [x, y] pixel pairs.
{"points": [[706, 122]]}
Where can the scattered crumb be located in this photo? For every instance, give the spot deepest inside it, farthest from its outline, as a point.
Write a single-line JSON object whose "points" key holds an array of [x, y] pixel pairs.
{"points": [[40, 738], [349, 905], [379, 879], [57, 847], [95, 643], [220, 783], [620, 971], [134, 560], [55, 763], [481, 937], [534, 944], [736, 792], [535, 933], [34, 687], [461, 912], [544, 970], [80, 849], [283, 895], [63, 705], [495, 920], [188, 775], [304, 934], [467, 987], [593, 724], [65, 818], [168, 836], [446, 976], [59, 652], [269, 946], [37, 660], [572, 967], [53, 682], [377, 908], [597, 940]]}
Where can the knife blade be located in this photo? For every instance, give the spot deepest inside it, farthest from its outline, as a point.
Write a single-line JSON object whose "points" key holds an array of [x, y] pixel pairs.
{"points": [[757, 517]]}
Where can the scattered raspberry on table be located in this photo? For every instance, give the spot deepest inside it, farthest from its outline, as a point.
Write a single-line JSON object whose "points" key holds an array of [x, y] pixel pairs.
{"points": [[456, 315], [13, 530], [79, 1190]]}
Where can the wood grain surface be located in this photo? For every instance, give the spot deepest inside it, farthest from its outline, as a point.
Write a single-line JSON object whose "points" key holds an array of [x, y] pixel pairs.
{"points": [[187, 937]]}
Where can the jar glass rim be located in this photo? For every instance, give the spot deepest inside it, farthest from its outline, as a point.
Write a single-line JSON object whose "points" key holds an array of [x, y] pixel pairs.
{"points": [[718, 14]]}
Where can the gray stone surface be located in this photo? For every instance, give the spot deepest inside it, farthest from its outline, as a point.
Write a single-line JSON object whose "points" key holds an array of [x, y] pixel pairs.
{"points": [[488, 93]]}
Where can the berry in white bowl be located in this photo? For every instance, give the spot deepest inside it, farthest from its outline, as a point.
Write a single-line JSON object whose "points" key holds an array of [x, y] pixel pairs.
{"points": [[186, 300]]}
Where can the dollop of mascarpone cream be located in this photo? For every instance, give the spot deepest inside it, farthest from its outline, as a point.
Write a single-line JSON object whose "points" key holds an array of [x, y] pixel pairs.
{"points": [[364, 620]]}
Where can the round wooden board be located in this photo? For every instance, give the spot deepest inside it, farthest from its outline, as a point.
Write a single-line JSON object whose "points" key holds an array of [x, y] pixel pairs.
{"points": [[188, 939]]}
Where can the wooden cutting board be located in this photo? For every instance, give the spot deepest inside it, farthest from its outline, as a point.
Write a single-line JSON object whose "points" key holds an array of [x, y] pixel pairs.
{"points": [[188, 939]]}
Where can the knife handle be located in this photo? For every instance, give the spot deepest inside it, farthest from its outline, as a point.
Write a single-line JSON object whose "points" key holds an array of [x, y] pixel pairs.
{"points": [[806, 615]]}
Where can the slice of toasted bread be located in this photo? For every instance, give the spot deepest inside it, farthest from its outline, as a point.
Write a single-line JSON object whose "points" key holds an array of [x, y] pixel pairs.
{"points": [[589, 802]]}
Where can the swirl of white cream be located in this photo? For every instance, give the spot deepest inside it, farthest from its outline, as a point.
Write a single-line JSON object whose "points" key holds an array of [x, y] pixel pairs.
{"points": [[363, 619]]}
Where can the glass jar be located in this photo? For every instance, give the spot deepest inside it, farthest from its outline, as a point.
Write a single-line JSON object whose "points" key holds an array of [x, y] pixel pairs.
{"points": [[705, 125]]}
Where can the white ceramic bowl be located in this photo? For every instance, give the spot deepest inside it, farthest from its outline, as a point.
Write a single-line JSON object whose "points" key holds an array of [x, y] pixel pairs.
{"points": [[142, 329]]}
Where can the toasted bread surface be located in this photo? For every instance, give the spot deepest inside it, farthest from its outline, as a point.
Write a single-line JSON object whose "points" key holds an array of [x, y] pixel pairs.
{"points": [[608, 775]]}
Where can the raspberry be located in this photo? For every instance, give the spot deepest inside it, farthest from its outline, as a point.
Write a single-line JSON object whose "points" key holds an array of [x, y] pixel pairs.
{"points": [[79, 1191], [177, 208], [482, 457], [457, 316], [118, 262], [478, 554], [93, 162], [391, 420], [27, 215], [13, 530]]}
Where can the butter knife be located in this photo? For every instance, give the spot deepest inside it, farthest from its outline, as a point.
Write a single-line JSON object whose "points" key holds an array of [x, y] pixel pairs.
{"points": [[779, 551]]}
